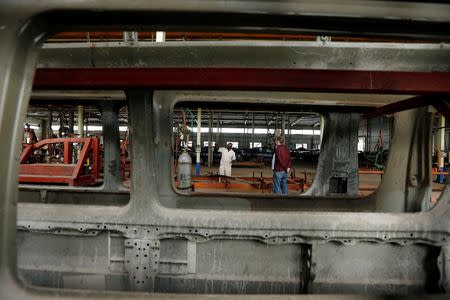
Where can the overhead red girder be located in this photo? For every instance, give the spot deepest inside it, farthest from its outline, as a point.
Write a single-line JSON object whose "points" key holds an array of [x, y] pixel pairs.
{"points": [[245, 79], [439, 102]]}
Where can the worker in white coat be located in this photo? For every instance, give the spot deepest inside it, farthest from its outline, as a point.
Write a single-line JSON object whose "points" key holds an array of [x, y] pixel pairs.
{"points": [[228, 156]]}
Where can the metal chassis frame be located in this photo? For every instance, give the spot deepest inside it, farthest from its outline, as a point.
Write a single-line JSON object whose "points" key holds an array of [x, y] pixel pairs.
{"points": [[76, 178], [18, 58]]}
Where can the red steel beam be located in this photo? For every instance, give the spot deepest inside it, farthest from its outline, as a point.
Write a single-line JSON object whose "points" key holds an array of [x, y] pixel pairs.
{"points": [[245, 79], [26, 153], [67, 152], [44, 179], [50, 170], [440, 104], [59, 140], [402, 105]]}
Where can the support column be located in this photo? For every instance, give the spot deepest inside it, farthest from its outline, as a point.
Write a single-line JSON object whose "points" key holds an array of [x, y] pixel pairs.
{"points": [[80, 121], [447, 146], [111, 144], [276, 124], [61, 123], [322, 126], [160, 36], [86, 126], [198, 147], [49, 124], [245, 132], [210, 137], [441, 149], [130, 36], [44, 130], [217, 126], [289, 131], [71, 122], [253, 130], [337, 170], [406, 185], [283, 126]]}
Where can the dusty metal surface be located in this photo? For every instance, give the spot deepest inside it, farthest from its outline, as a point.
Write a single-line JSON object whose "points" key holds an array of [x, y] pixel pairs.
{"points": [[214, 251], [273, 54], [337, 171]]}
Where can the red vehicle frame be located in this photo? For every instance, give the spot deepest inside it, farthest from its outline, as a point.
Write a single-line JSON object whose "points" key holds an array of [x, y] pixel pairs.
{"points": [[62, 173]]}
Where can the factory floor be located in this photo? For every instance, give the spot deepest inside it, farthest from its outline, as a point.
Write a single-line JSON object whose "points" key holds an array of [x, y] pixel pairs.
{"points": [[306, 170], [368, 183]]}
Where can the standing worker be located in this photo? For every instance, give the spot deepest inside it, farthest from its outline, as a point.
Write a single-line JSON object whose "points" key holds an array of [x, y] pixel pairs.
{"points": [[281, 166], [228, 156]]}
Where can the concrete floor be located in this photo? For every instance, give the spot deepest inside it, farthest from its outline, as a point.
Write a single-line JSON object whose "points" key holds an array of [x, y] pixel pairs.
{"points": [[299, 168], [368, 182]]}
